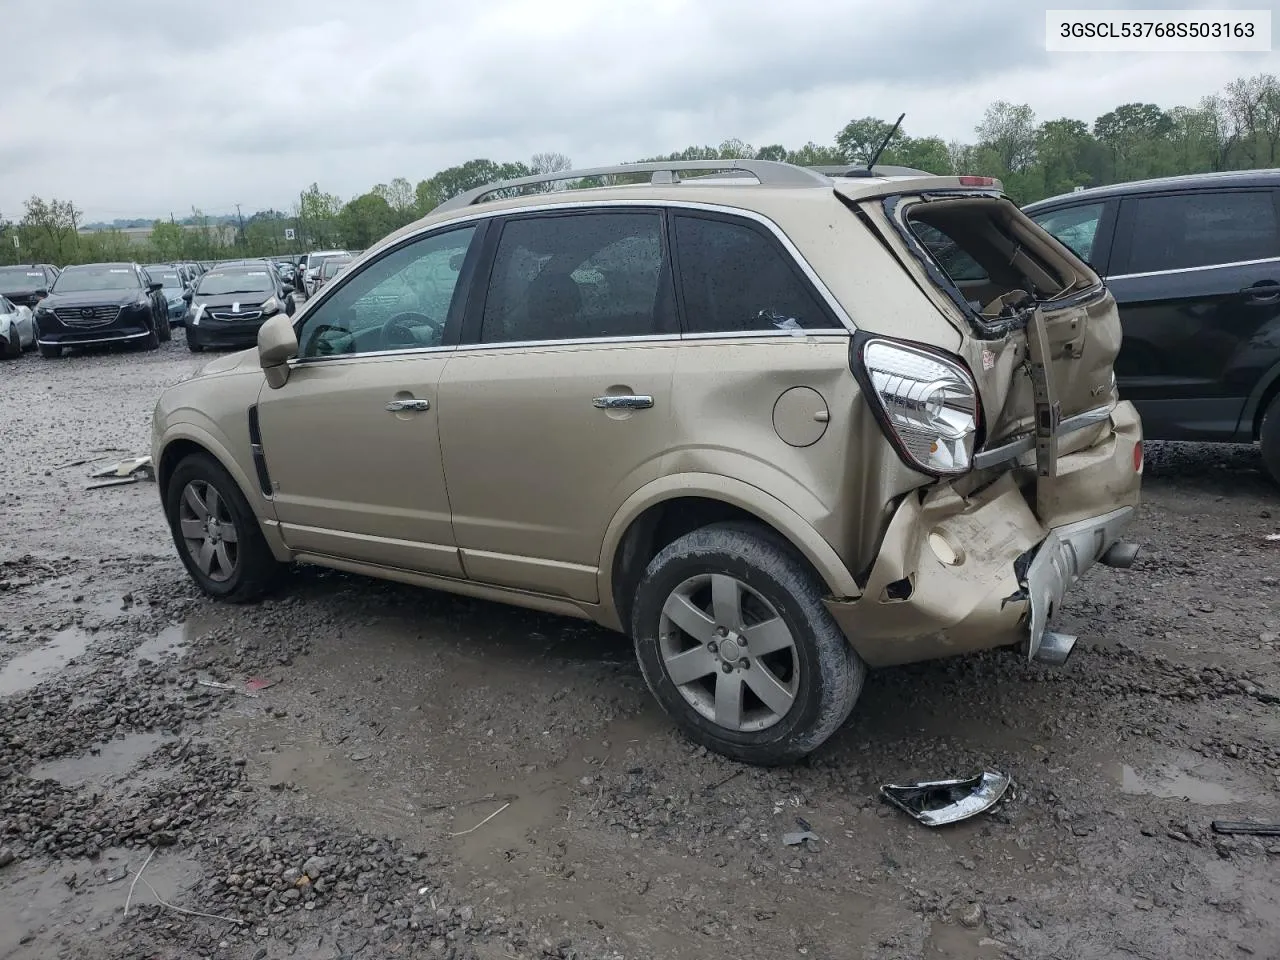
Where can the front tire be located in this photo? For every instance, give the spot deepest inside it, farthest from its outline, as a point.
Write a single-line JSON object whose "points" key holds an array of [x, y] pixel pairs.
{"points": [[50, 352], [734, 641], [13, 345], [1269, 436], [216, 532], [152, 340], [165, 330]]}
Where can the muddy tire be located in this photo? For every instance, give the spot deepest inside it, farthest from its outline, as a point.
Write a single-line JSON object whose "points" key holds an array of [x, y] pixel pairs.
{"points": [[735, 643], [1269, 435], [50, 352], [229, 559]]}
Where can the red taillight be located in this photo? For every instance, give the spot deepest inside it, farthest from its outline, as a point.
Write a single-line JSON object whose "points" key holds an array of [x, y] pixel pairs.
{"points": [[977, 181], [1137, 457]]}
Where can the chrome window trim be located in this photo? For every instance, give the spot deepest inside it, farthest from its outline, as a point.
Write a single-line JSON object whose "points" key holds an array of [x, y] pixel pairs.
{"points": [[81, 343], [1014, 449], [1207, 266], [596, 204], [673, 338]]}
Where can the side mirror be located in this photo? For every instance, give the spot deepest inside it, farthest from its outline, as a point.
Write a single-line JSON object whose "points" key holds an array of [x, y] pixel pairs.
{"points": [[189, 294], [153, 287], [287, 288], [42, 293], [277, 345]]}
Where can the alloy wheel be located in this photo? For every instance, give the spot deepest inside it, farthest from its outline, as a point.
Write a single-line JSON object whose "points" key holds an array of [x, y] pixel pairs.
{"points": [[729, 652], [209, 531]]}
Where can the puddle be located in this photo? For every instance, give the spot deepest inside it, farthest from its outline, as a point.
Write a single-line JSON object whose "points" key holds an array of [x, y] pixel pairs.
{"points": [[35, 666], [1172, 783], [172, 641], [40, 904], [102, 764]]}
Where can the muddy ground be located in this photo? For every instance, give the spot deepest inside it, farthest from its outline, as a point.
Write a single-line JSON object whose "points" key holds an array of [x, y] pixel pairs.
{"points": [[344, 809]]}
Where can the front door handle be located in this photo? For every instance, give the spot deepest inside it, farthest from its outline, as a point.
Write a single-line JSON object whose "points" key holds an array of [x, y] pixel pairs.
{"points": [[623, 402], [395, 406], [1264, 291]]}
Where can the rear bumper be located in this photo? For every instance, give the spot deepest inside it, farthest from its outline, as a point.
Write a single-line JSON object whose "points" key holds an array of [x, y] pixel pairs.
{"points": [[956, 574]]}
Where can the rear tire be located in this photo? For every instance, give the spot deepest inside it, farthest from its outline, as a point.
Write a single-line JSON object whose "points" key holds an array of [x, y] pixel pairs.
{"points": [[1269, 436], [50, 352], [772, 682], [236, 565]]}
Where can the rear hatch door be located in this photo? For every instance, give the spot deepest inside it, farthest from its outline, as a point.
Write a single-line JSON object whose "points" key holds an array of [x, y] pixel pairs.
{"points": [[1039, 330]]}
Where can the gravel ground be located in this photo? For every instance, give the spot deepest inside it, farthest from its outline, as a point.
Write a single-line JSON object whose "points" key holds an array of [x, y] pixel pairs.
{"points": [[418, 775]]}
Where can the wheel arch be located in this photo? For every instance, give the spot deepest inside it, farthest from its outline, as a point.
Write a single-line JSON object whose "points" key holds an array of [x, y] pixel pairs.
{"points": [[185, 439], [1268, 389], [666, 509]]}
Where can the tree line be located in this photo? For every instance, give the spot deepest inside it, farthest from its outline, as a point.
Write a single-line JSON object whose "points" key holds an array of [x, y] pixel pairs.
{"points": [[1236, 128]]}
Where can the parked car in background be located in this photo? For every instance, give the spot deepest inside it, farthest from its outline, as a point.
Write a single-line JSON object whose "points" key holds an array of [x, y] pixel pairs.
{"points": [[309, 269], [288, 271], [101, 303], [229, 305], [27, 284], [759, 427], [175, 285], [17, 329], [1194, 263], [330, 267]]}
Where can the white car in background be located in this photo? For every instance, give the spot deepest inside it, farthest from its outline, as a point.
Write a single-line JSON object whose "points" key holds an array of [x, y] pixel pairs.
{"points": [[17, 329]]}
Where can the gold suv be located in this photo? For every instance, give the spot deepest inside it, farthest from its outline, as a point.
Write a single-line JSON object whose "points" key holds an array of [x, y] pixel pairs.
{"points": [[779, 425]]}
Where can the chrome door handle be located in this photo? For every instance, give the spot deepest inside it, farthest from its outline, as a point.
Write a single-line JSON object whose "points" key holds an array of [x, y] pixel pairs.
{"points": [[397, 405], [623, 402]]}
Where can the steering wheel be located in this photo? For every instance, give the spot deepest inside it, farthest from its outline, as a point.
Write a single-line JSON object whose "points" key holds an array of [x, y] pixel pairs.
{"points": [[323, 347], [397, 332]]}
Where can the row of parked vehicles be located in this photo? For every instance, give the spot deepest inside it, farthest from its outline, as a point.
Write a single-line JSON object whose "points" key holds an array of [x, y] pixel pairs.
{"points": [[221, 304], [779, 425]]}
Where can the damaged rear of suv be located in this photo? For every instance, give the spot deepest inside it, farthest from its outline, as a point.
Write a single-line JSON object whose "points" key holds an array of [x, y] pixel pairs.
{"points": [[1037, 463], [776, 425]]}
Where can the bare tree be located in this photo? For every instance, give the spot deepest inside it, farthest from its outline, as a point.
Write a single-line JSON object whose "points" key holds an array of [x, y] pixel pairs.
{"points": [[1009, 129]]}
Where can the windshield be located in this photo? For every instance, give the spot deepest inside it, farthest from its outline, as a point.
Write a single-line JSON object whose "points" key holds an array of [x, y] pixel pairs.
{"points": [[219, 282], [80, 279], [166, 275], [21, 278]]}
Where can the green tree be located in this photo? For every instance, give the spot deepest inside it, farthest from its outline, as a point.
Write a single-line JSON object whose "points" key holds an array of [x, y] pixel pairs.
{"points": [[1009, 131], [166, 240], [775, 151], [815, 155], [858, 140], [366, 219], [49, 231], [1066, 152], [401, 201], [318, 214]]}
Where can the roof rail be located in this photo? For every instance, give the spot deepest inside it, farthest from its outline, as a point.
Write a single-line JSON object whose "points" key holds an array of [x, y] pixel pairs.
{"points": [[880, 170], [768, 173]]}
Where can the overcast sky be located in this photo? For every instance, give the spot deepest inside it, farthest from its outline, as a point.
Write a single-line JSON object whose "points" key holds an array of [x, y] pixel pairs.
{"points": [[143, 107]]}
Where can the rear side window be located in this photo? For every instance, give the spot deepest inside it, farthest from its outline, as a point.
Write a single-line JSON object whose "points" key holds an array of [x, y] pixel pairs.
{"points": [[590, 275], [736, 280], [1202, 229], [1074, 227]]}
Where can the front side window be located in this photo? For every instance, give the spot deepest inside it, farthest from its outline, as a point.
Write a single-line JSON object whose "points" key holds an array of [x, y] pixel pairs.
{"points": [[399, 301], [736, 280], [1074, 227], [1202, 229], [587, 275]]}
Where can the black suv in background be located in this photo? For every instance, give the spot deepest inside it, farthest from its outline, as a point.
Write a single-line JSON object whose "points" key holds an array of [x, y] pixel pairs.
{"points": [[27, 284], [102, 303], [1194, 263]]}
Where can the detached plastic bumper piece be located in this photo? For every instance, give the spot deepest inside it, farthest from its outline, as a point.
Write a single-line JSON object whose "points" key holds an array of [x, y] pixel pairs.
{"points": [[936, 803]]}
